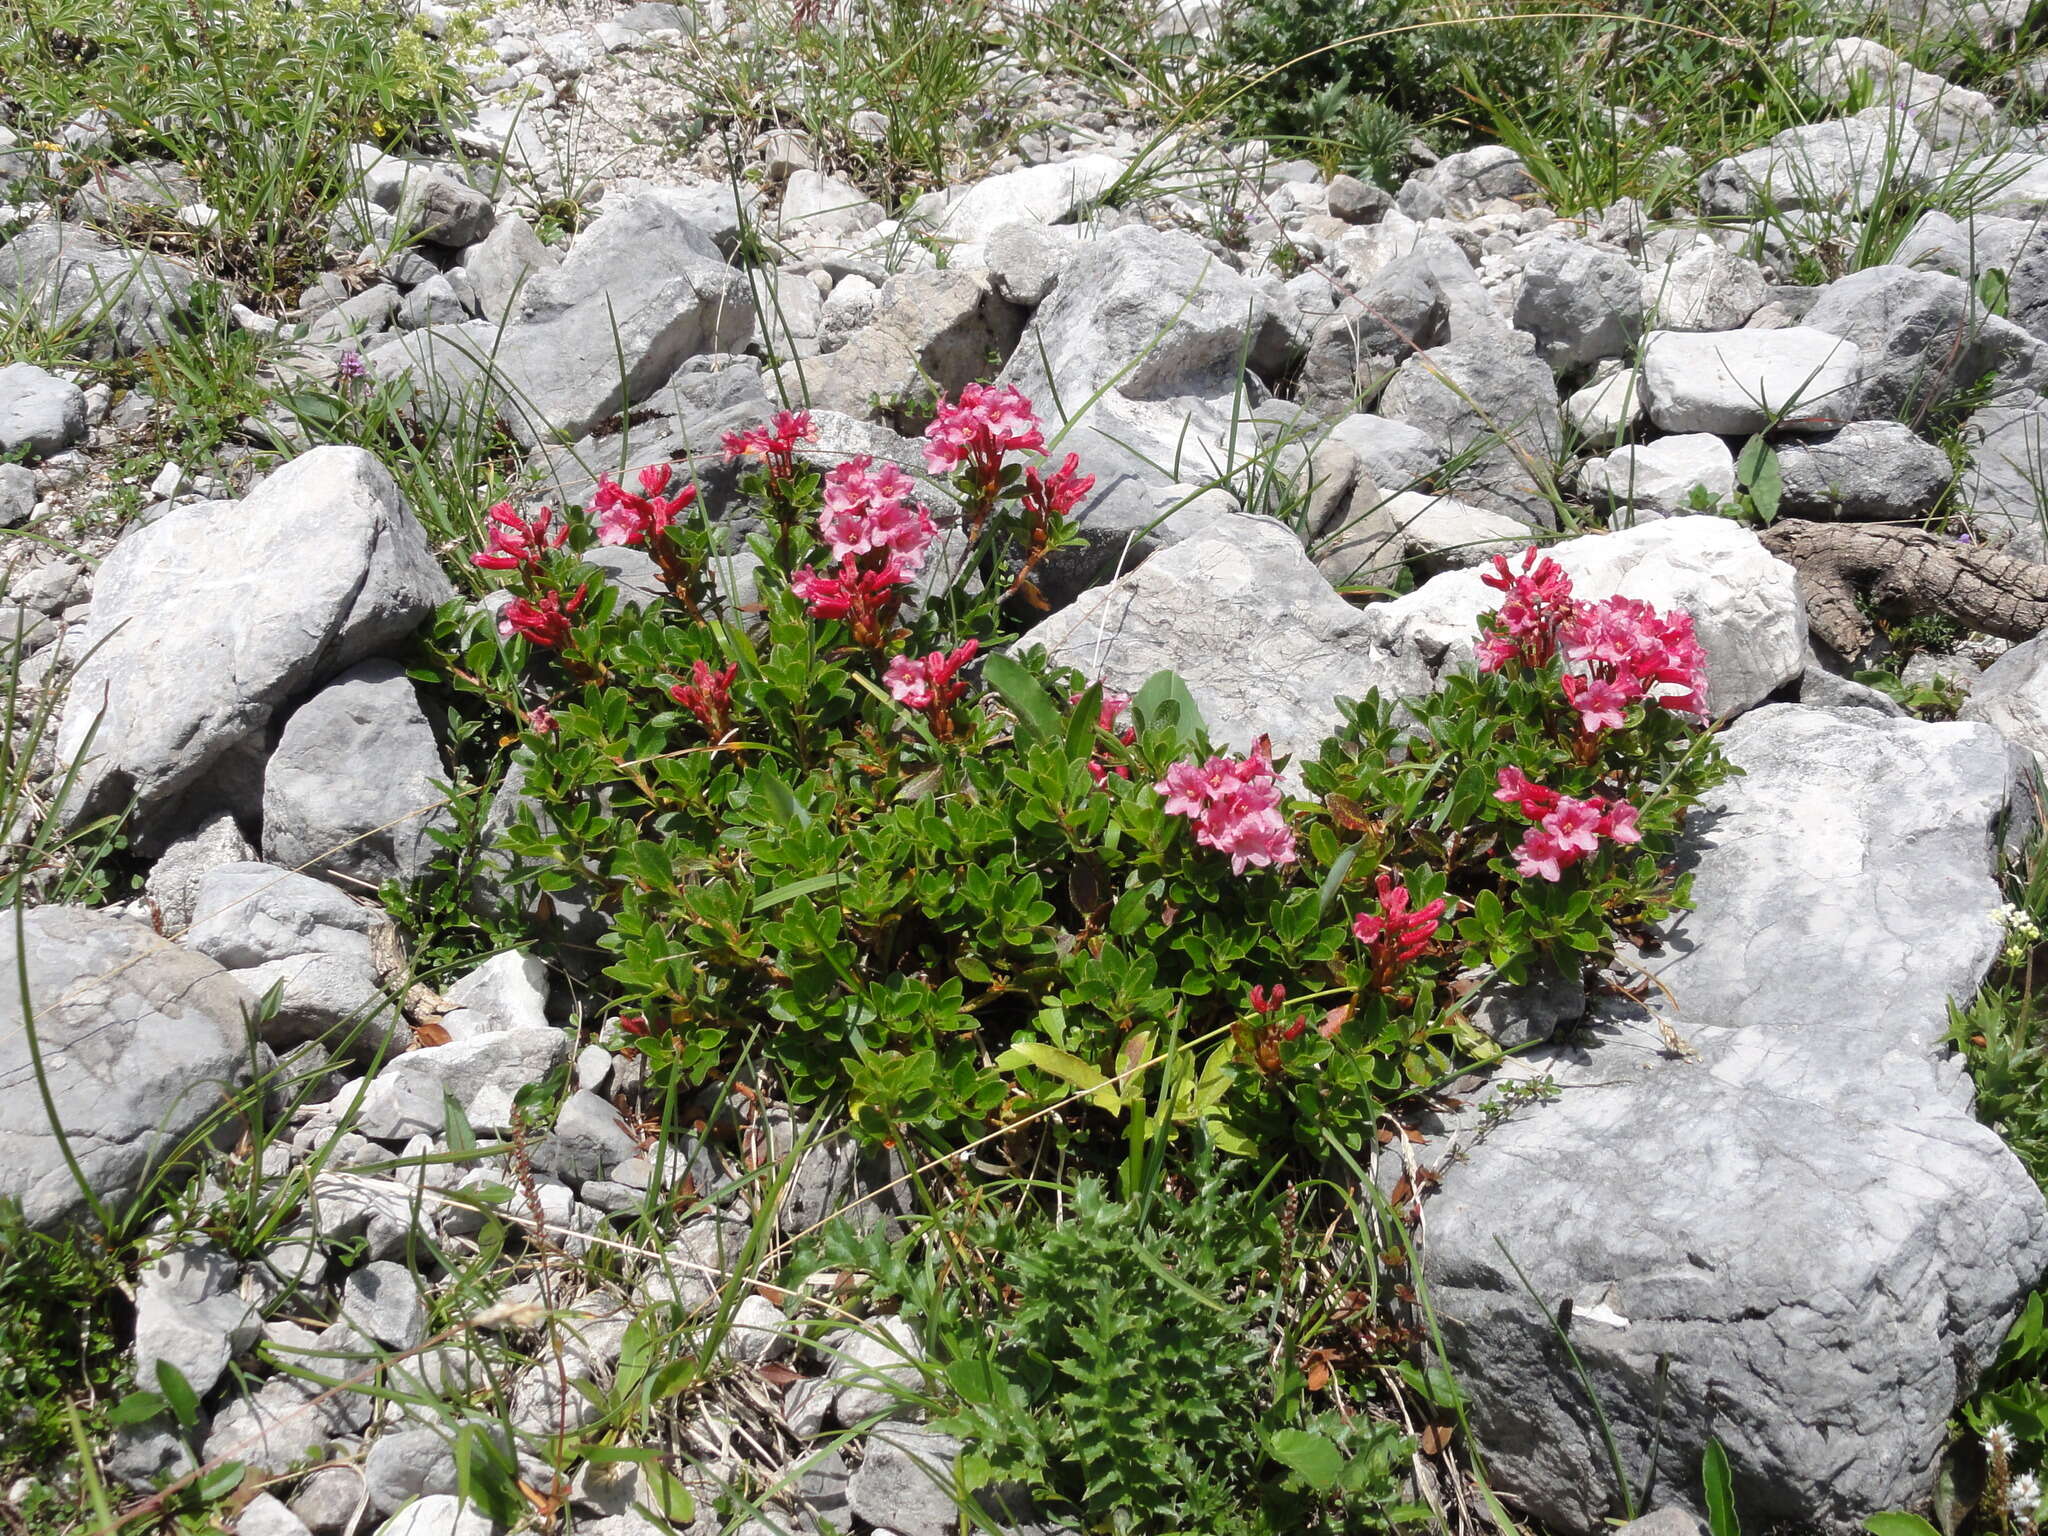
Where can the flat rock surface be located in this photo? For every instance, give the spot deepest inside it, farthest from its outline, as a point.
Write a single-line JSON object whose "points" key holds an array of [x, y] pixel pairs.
{"points": [[139, 1041]]}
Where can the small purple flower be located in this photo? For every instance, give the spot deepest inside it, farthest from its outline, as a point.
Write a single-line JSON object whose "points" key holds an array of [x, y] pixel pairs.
{"points": [[351, 365]]}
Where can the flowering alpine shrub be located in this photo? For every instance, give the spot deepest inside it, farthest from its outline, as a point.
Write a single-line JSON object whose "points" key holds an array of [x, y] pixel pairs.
{"points": [[837, 832]]}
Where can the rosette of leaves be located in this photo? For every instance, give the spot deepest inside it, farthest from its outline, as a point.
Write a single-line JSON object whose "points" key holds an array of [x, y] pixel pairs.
{"points": [[1142, 1379]]}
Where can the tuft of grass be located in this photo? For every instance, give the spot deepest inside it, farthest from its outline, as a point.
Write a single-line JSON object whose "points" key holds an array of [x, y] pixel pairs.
{"points": [[254, 103]]}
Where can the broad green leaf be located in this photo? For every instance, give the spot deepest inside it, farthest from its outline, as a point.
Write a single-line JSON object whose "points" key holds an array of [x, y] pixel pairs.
{"points": [[1164, 703], [796, 888], [178, 1393], [1333, 882], [670, 1499], [1067, 1067], [1720, 1485], [1898, 1522], [783, 798], [137, 1408], [1310, 1456], [1025, 695]]}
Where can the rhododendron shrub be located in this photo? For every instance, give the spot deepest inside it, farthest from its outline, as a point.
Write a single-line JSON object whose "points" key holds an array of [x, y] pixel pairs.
{"points": [[831, 829]]}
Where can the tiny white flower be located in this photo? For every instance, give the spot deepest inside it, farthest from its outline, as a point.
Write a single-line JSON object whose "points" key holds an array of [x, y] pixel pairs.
{"points": [[1999, 1442], [2023, 1496]]}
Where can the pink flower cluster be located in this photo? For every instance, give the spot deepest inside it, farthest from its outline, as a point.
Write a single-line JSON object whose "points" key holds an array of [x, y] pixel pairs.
{"points": [[773, 445], [519, 544], [1538, 601], [1055, 494], [1235, 806], [1631, 651], [1618, 651], [708, 696], [545, 622], [978, 429], [870, 510], [624, 518], [879, 536], [930, 684], [1566, 829], [1396, 935]]}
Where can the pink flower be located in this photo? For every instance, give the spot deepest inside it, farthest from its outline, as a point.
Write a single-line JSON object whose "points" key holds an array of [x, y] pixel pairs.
{"points": [[545, 622], [1397, 936], [774, 445], [851, 590], [1575, 824], [539, 721], [979, 428], [929, 684], [1531, 799], [708, 696], [1618, 825], [1571, 830], [1057, 494], [624, 518], [1601, 702], [1540, 854], [1268, 1000], [1235, 806], [516, 543], [869, 510]]}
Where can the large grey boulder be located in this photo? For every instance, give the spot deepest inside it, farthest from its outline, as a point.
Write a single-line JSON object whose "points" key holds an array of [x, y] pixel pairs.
{"points": [[1164, 330], [1355, 350], [1797, 379], [1845, 878], [1922, 337], [1744, 603], [350, 792], [931, 331], [482, 1076], [430, 202], [1837, 69], [108, 301], [1263, 642], [2011, 696], [1659, 479], [1966, 247], [1800, 1245], [2006, 487], [140, 1044], [1037, 194], [40, 414], [1797, 1241], [1869, 470], [1580, 302], [504, 262], [1490, 397], [1266, 646], [1703, 288], [190, 1314], [2012, 185], [642, 290], [210, 617], [324, 953], [250, 914], [906, 1481], [1370, 543], [1848, 164], [1462, 183]]}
